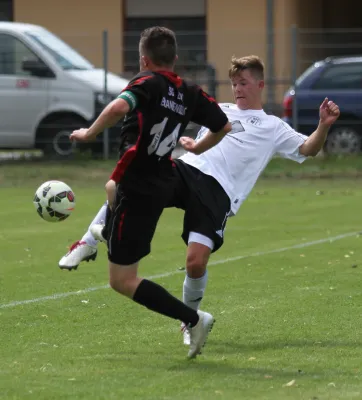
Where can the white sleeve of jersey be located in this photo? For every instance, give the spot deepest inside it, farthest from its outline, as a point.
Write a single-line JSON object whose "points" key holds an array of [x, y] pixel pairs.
{"points": [[201, 132], [288, 141], [203, 129]]}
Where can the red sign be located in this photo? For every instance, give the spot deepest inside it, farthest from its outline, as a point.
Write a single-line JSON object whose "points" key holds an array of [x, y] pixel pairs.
{"points": [[22, 83]]}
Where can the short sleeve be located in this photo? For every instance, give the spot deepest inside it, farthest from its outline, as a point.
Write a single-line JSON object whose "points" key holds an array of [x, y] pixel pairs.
{"points": [[207, 112], [141, 88], [288, 142]]}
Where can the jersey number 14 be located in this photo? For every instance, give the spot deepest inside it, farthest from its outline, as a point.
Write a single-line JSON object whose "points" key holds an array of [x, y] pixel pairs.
{"points": [[161, 148]]}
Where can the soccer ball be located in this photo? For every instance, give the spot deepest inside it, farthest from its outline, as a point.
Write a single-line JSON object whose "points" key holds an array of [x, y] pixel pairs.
{"points": [[54, 201]]}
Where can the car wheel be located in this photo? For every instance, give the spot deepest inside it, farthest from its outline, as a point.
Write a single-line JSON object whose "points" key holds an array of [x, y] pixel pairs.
{"points": [[53, 136], [343, 140]]}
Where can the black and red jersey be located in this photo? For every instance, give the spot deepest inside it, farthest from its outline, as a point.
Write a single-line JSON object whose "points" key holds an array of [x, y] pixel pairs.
{"points": [[165, 106]]}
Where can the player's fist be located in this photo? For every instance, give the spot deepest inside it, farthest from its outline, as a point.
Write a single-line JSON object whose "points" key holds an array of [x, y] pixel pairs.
{"points": [[187, 143], [79, 135], [328, 112]]}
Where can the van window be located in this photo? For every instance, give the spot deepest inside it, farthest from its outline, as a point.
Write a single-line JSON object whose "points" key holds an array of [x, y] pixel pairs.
{"points": [[12, 54], [63, 54], [309, 71], [341, 76]]}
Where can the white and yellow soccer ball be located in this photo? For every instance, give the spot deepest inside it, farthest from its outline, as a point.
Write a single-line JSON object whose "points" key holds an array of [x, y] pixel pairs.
{"points": [[54, 201]]}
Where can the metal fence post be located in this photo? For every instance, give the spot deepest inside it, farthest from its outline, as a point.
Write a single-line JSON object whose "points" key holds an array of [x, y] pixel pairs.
{"points": [[105, 92], [294, 65], [270, 55]]}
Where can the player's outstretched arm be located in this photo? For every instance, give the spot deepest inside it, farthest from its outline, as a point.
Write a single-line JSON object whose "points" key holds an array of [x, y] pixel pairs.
{"points": [[114, 112], [328, 115], [209, 140]]}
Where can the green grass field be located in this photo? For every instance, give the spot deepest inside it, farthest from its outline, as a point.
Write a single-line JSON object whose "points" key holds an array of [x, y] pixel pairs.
{"points": [[285, 290]]}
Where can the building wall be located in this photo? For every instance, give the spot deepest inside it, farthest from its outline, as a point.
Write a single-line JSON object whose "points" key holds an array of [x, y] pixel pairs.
{"points": [[286, 14], [165, 8], [80, 23], [235, 27]]}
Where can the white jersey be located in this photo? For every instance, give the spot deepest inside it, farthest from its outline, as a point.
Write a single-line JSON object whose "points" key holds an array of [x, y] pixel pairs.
{"points": [[239, 159]]}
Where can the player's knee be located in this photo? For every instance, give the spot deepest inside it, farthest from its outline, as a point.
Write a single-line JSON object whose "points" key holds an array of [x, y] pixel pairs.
{"points": [[111, 192], [110, 187], [115, 284], [196, 264], [118, 285], [125, 286]]}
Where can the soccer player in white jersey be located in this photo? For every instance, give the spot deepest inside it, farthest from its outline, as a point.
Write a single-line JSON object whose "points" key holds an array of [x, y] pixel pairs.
{"points": [[225, 174]]}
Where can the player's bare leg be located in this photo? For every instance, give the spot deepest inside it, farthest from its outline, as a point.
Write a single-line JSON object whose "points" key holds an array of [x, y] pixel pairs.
{"points": [[111, 192], [99, 231], [124, 280]]}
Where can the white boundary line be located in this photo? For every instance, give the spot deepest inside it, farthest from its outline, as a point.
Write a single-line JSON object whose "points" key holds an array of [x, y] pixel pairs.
{"points": [[164, 275]]}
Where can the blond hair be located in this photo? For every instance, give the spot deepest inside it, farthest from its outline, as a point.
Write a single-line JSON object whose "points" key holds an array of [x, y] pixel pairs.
{"points": [[252, 63]]}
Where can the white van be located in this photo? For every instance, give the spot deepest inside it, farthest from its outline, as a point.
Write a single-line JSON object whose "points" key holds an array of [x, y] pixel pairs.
{"points": [[47, 89]]}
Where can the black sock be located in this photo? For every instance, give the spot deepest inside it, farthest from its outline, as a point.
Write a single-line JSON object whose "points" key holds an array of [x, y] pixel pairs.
{"points": [[156, 298], [107, 223]]}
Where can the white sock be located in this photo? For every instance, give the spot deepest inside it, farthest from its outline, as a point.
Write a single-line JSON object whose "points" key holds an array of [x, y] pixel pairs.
{"points": [[193, 291], [99, 218]]}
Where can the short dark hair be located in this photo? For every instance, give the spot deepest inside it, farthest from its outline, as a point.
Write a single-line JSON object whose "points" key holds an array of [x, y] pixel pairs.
{"points": [[159, 44], [253, 63]]}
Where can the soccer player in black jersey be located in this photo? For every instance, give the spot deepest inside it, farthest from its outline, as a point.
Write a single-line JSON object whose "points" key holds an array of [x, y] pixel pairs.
{"points": [[157, 106]]}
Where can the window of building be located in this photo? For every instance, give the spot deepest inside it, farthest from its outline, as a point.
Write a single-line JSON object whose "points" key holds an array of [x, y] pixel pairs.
{"points": [[6, 10], [187, 19]]}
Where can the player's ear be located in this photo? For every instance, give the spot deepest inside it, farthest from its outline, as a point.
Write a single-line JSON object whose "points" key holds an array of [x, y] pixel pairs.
{"points": [[261, 84], [145, 62], [175, 60]]}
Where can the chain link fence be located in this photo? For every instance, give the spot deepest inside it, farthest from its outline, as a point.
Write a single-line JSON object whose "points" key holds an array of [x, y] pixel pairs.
{"points": [[48, 89]]}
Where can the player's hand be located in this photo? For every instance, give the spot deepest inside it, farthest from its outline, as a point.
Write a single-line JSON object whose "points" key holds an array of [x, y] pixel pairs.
{"points": [[328, 112], [187, 143], [80, 135]]}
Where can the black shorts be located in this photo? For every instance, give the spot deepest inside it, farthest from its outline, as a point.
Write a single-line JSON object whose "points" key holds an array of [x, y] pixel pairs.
{"points": [[206, 204], [133, 224]]}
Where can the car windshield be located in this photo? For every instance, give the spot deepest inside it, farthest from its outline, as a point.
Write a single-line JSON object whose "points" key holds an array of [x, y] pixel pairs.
{"points": [[306, 73], [62, 53]]}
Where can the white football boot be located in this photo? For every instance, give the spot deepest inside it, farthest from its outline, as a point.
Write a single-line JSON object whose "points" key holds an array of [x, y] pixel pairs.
{"points": [[185, 334], [199, 333], [96, 231], [78, 252]]}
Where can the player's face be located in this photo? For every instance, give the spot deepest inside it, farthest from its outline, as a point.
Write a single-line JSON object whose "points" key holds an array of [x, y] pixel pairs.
{"points": [[247, 90]]}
